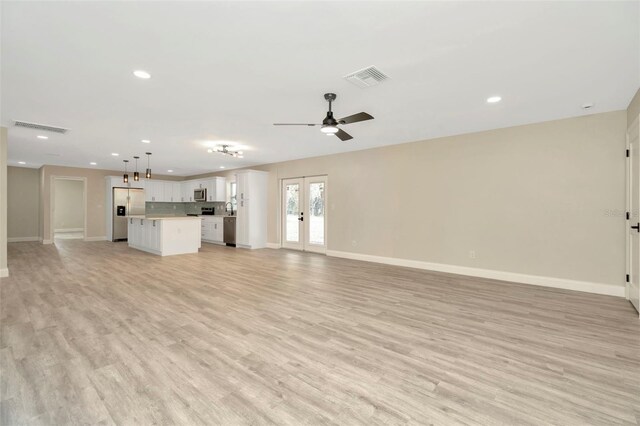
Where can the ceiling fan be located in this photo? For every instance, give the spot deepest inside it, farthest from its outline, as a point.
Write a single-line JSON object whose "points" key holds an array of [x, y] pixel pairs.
{"points": [[330, 124]]}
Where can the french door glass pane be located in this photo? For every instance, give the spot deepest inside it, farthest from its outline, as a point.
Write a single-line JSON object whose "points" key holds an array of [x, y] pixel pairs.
{"points": [[316, 213], [292, 193]]}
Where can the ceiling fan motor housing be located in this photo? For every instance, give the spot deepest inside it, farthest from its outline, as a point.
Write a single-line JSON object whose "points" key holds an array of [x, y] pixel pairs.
{"points": [[329, 120]]}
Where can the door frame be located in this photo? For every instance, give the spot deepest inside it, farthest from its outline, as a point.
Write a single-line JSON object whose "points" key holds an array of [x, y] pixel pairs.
{"points": [[628, 212], [52, 201], [304, 246]]}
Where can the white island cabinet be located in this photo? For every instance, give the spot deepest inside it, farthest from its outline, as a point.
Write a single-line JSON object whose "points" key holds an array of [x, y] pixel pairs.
{"points": [[164, 236]]}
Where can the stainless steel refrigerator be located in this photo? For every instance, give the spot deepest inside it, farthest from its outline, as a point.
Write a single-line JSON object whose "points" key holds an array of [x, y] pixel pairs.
{"points": [[126, 202]]}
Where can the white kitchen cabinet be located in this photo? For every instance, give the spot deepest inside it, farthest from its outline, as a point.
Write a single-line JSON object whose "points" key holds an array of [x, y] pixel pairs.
{"points": [[167, 192], [153, 191], [187, 190], [176, 192], [242, 186], [151, 229], [216, 188], [159, 191], [251, 222], [164, 236], [212, 229], [172, 192]]}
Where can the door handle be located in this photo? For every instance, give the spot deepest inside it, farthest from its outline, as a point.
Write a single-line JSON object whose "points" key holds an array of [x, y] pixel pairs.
{"points": [[637, 227], [301, 219]]}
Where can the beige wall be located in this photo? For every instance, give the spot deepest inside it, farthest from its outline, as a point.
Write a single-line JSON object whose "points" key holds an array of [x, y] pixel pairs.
{"points": [[68, 210], [3, 202], [23, 203], [633, 111], [96, 225], [545, 199]]}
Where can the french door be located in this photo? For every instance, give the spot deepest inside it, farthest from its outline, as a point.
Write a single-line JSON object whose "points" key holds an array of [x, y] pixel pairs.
{"points": [[304, 218], [633, 215]]}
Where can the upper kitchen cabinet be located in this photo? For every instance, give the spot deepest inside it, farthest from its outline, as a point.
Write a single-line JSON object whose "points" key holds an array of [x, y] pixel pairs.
{"points": [[216, 189], [187, 190], [251, 222], [158, 191], [172, 192], [242, 186], [215, 186]]}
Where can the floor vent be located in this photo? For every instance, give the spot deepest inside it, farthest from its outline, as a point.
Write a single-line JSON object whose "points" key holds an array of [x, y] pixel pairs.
{"points": [[367, 77], [43, 127]]}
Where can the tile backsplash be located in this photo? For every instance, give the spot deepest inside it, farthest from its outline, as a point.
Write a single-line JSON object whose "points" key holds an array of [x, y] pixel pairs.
{"points": [[181, 209]]}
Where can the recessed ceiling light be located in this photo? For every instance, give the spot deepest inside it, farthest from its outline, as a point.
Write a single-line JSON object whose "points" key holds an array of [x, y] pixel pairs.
{"points": [[115, 154], [93, 163], [142, 74], [43, 137], [222, 167], [21, 162], [170, 171], [146, 141], [494, 99]]}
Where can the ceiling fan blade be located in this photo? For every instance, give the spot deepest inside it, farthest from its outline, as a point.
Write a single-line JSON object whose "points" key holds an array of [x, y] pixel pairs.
{"points": [[361, 116], [294, 124], [344, 136]]}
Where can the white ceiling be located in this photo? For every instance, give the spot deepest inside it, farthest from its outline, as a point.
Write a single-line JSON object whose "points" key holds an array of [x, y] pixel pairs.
{"points": [[227, 71]]}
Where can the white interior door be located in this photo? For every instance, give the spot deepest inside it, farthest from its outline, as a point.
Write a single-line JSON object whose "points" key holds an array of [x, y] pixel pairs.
{"points": [[292, 214], [633, 219], [315, 218], [304, 218]]}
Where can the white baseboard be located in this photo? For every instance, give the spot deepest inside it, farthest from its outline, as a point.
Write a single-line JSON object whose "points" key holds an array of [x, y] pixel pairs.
{"points": [[273, 245], [95, 238], [562, 283], [22, 239], [69, 230], [4, 272], [47, 241]]}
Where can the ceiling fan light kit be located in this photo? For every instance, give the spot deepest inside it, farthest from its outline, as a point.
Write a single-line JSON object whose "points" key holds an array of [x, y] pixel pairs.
{"points": [[329, 129], [330, 125]]}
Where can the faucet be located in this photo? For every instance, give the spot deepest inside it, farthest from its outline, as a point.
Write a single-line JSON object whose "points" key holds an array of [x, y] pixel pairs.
{"points": [[225, 207]]}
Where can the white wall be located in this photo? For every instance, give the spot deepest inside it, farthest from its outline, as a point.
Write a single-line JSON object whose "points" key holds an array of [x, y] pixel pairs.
{"points": [[23, 203], [4, 271], [68, 212], [543, 200]]}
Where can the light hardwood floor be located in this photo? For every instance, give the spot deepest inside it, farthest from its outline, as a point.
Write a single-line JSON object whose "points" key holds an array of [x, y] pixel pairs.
{"points": [[96, 333]]}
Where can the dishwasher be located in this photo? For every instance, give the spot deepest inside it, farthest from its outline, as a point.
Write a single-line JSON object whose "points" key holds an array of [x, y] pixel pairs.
{"points": [[229, 226]]}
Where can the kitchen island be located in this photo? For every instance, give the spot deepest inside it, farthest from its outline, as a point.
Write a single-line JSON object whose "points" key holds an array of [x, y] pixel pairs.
{"points": [[164, 236]]}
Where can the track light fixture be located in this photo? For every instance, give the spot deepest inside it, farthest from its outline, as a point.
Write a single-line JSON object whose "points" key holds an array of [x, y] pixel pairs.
{"points": [[224, 149]]}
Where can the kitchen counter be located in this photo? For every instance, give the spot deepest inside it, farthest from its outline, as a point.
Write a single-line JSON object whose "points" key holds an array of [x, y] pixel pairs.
{"points": [[164, 235], [151, 217]]}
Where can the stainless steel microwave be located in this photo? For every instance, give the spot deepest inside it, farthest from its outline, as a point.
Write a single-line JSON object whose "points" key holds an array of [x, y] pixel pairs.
{"points": [[200, 194]]}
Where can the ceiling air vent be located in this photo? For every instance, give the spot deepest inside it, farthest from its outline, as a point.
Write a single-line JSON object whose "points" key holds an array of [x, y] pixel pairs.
{"points": [[367, 77], [40, 127]]}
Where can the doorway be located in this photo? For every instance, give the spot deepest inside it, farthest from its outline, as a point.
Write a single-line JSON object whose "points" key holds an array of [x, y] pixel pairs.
{"points": [[633, 214], [304, 214], [68, 205]]}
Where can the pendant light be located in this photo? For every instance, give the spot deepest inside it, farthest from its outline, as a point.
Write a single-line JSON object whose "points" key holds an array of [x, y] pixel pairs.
{"points": [[148, 174], [125, 177], [136, 175]]}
